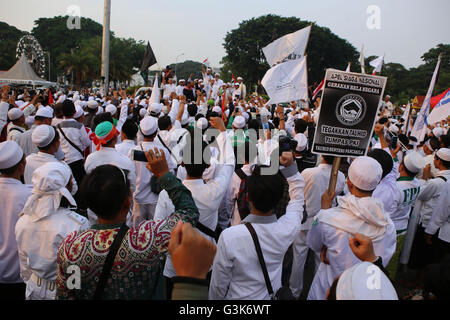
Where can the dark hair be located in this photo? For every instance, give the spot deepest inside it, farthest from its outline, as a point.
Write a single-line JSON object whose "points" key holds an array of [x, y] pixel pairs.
{"points": [[276, 122], [104, 190], [436, 279], [383, 120], [68, 108], [328, 159], [409, 173], [58, 110], [130, 128], [195, 170], [301, 126], [435, 143], [56, 138], [445, 163], [9, 171], [199, 116], [164, 123], [403, 139], [192, 110], [384, 159], [264, 191], [102, 117], [445, 140]]}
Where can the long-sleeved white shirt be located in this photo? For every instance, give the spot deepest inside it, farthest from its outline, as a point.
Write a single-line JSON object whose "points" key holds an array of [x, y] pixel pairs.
{"points": [[388, 193], [237, 274], [408, 191], [14, 132], [125, 147], [441, 216], [76, 132], [26, 143], [14, 195]]}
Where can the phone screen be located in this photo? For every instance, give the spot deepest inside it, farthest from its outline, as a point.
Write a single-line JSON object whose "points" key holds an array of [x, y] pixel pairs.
{"points": [[139, 156]]}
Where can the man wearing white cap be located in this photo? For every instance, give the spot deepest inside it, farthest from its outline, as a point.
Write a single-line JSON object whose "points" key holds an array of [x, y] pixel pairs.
{"points": [[92, 109], [179, 89], [242, 87], [43, 116], [14, 195], [145, 199], [427, 201], [301, 153], [316, 183], [356, 212], [15, 127], [155, 110], [46, 221], [168, 87]]}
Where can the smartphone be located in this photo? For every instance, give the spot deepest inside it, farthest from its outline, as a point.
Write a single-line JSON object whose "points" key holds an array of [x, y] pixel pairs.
{"points": [[138, 156]]}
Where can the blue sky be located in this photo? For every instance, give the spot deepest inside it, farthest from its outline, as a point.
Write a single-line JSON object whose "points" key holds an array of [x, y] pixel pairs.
{"points": [[197, 28]]}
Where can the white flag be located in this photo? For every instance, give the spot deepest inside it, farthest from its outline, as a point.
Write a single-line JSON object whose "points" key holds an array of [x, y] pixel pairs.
{"points": [[287, 81], [420, 127], [362, 61], [348, 67], [156, 94], [441, 111], [406, 118], [377, 64], [290, 44]]}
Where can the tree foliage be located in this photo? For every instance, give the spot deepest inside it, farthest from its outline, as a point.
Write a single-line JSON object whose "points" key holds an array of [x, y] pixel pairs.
{"points": [[9, 37]]}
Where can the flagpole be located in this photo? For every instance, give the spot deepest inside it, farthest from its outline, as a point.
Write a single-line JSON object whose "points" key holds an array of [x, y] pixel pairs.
{"points": [[105, 45]]}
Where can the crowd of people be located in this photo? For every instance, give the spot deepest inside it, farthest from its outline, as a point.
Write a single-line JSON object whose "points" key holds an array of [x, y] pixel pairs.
{"points": [[211, 193]]}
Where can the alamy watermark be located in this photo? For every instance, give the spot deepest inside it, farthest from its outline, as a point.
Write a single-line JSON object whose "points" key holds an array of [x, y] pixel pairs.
{"points": [[374, 19], [74, 20]]}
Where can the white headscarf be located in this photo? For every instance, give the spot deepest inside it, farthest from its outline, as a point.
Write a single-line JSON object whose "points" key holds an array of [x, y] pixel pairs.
{"points": [[49, 186]]}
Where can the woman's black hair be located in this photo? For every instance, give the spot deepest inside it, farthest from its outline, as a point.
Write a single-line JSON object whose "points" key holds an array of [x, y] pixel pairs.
{"points": [[105, 189], [264, 191]]}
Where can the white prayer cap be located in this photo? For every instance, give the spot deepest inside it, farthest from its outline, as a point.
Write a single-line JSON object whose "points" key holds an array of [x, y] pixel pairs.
{"points": [[45, 112], [43, 135], [438, 132], [90, 98], [148, 126], [239, 122], [444, 154], [217, 74], [414, 162], [155, 108], [92, 104], [394, 129], [111, 109], [29, 121], [10, 154], [100, 110], [143, 112], [239, 78], [61, 99], [14, 114], [182, 80], [202, 123], [302, 142], [365, 173], [356, 284], [20, 97], [217, 109], [166, 97], [79, 111]]}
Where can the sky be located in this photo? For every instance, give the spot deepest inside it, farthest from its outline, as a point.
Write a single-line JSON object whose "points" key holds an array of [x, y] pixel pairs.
{"points": [[180, 30]]}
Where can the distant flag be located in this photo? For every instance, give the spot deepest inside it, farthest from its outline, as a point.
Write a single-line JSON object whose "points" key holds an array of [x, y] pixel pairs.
{"points": [[318, 89], [206, 60], [441, 111], [377, 64], [348, 67], [420, 127], [234, 78], [50, 97], [148, 61], [405, 117], [362, 61], [156, 94]]}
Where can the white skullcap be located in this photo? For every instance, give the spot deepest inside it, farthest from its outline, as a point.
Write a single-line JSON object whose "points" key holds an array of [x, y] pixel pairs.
{"points": [[302, 142], [414, 162], [148, 126], [239, 78], [365, 281], [438, 132], [155, 108], [202, 123], [143, 112], [111, 109], [10, 154], [394, 129], [217, 109], [100, 110], [78, 112], [43, 135], [20, 97], [92, 104], [166, 97], [91, 98], [444, 154], [14, 114], [45, 112], [29, 121], [239, 122], [365, 173], [182, 80]]}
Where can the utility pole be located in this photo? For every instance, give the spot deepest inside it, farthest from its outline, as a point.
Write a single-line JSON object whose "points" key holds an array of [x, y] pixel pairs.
{"points": [[105, 48]]}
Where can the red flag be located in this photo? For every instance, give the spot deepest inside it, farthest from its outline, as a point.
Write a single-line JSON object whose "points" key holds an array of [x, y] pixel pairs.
{"points": [[205, 61], [50, 98], [318, 89], [223, 105], [234, 78]]}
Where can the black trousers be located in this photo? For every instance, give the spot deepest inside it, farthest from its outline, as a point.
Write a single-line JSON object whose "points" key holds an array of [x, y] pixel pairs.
{"points": [[79, 173], [12, 291]]}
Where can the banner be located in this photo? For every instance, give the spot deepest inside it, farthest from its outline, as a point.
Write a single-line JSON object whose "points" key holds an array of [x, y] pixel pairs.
{"points": [[291, 46], [287, 82], [441, 111], [420, 126], [348, 110], [148, 60]]}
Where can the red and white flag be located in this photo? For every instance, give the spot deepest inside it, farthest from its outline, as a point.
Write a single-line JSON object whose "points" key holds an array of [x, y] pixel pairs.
{"points": [[319, 88], [206, 60]]}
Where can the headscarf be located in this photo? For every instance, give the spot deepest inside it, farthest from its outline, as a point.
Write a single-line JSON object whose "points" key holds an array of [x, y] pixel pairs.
{"points": [[104, 133], [49, 186]]}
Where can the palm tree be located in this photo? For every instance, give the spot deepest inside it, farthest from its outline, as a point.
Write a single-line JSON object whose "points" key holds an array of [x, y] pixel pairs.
{"points": [[81, 63]]}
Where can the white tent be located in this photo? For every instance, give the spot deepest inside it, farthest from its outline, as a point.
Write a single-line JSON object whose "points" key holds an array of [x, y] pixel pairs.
{"points": [[23, 73]]}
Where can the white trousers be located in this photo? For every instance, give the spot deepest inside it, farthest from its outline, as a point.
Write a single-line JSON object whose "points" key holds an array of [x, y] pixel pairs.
{"points": [[42, 292]]}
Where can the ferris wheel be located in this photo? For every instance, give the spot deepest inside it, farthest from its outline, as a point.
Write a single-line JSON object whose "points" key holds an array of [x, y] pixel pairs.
{"points": [[29, 46]]}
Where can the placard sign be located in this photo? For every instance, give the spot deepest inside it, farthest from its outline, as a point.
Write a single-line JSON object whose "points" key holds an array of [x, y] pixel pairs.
{"points": [[348, 109]]}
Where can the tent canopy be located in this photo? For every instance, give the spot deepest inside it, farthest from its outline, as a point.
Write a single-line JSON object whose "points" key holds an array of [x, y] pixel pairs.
{"points": [[22, 73]]}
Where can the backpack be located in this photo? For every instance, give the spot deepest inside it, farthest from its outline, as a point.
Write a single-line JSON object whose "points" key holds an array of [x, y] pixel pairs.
{"points": [[242, 199]]}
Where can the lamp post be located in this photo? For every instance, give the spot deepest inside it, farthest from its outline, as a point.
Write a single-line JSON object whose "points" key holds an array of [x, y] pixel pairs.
{"points": [[105, 45]]}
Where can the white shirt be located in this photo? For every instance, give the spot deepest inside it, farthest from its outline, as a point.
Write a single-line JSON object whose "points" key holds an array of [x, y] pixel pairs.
{"points": [[125, 147], [408, 191], [14, 195], [39, 240], [236, 272], [168, 89], [441, 216], [26, 143], [317, 181], [179, 90], [233, 194], [387, 191], [111, 156], [76, 132], [14, 132]]}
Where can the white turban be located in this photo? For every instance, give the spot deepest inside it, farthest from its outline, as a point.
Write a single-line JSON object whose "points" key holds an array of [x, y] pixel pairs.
{"points": [[49, 186]]}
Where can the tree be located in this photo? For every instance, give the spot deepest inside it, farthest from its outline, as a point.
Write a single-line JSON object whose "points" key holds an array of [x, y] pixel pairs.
{"points": [[9, 37], [244, 48], [79, 62]]}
